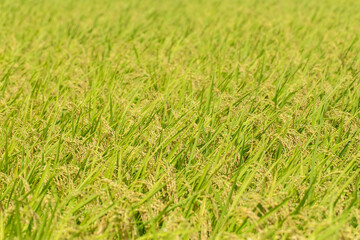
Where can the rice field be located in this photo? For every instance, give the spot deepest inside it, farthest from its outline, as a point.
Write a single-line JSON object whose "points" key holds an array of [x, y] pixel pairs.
{"points": [[179, 119]]}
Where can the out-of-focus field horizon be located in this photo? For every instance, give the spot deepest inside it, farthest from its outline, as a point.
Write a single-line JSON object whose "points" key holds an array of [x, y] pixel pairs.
{"points": [[179, 119]]}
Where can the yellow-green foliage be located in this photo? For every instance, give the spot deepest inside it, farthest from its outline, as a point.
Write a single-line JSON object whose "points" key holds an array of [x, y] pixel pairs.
{"points": [[169, 119]]}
